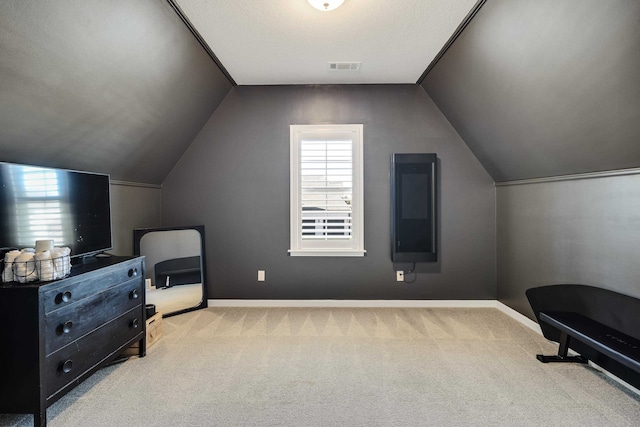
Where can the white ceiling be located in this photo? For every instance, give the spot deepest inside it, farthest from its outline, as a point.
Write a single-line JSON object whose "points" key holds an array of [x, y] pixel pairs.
{"points": [[275, 42]]}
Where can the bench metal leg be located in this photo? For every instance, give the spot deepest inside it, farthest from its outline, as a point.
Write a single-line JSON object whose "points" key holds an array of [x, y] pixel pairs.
{"points": [[562, 353]]}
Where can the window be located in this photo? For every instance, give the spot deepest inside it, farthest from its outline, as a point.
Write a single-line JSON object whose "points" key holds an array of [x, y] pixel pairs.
{"points": [[327, 215]]}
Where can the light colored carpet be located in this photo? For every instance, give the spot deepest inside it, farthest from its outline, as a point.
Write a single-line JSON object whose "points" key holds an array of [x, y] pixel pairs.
{"points": [[344, 367]]}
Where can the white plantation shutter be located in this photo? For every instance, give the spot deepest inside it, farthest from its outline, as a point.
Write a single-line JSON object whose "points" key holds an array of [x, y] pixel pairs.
{"points": [[326, 190], [326, 186]]}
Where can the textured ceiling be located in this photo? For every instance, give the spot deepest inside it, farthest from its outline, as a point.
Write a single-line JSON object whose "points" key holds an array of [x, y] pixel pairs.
{"points": [[263, 42]]}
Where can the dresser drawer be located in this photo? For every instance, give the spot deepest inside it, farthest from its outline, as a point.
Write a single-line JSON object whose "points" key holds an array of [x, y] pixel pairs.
{"points": [[76, 288], [75, 320], [70, 362]]}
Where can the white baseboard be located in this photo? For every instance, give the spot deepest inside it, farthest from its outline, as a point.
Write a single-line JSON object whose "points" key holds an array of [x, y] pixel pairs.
{"points": [[352, 303], [518, 316], [613, 377]]}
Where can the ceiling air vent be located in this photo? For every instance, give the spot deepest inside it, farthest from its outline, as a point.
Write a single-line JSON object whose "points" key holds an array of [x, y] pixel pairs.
{"points": [[344, 66]]}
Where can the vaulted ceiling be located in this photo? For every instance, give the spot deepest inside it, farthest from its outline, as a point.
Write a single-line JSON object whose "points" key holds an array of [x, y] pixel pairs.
{"points": [[534, 88], [120, 87], [545, 88]]}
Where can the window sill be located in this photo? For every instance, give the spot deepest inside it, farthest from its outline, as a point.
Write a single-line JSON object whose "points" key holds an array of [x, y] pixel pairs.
{"points": [[327, 253]]}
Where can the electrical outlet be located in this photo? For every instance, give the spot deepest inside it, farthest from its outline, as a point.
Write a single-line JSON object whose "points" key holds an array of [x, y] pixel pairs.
{"points": [[400, 276], [260, 275]]}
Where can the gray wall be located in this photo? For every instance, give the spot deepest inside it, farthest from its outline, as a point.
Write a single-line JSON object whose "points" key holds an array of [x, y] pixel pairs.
{"points": [[117, 86], [545, 88], [132, 206], [234, 179], [579, 231]]}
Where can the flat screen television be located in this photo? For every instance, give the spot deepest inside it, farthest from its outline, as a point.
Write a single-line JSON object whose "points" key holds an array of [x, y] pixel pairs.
{"points": [[71, 208]]}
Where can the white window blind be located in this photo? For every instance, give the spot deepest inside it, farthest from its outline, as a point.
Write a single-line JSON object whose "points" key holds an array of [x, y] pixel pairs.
{"points": [[326, 184], [326, 190]]}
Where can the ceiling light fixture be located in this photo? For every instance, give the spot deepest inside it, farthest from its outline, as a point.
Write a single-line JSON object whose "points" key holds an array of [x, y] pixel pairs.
{"points": [[326, 5]]}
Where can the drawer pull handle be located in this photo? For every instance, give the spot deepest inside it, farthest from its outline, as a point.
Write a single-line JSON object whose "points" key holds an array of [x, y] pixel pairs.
{"points": [[63, 297], [133, 272], [66, 366], [134, 294], [65, 328], [134, 324]]}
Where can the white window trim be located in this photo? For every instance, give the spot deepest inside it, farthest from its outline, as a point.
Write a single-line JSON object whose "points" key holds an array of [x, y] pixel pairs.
{"points": [[354, 247]]}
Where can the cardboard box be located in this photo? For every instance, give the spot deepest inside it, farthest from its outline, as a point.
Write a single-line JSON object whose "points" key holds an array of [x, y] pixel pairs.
{"points": [[154, 332]]}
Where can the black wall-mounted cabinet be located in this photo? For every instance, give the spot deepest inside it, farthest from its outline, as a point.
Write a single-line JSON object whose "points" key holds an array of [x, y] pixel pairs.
{"points": [[413, 207]]}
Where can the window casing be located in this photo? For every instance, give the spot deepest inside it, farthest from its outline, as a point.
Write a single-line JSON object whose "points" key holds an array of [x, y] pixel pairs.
{"points": [[327, 215]]}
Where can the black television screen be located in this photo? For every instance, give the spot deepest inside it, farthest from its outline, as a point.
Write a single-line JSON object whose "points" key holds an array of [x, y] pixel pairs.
{"points": [[69, 207]]}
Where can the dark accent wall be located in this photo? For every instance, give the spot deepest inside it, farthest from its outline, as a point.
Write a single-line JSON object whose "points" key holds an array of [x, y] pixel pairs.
{"points": [[548, 88], [117, 86], [545, 88], [578, 231], [234, 179]]}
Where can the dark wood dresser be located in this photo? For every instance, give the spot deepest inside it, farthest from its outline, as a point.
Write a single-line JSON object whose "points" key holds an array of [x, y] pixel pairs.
{"points": [[54, 335]]}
